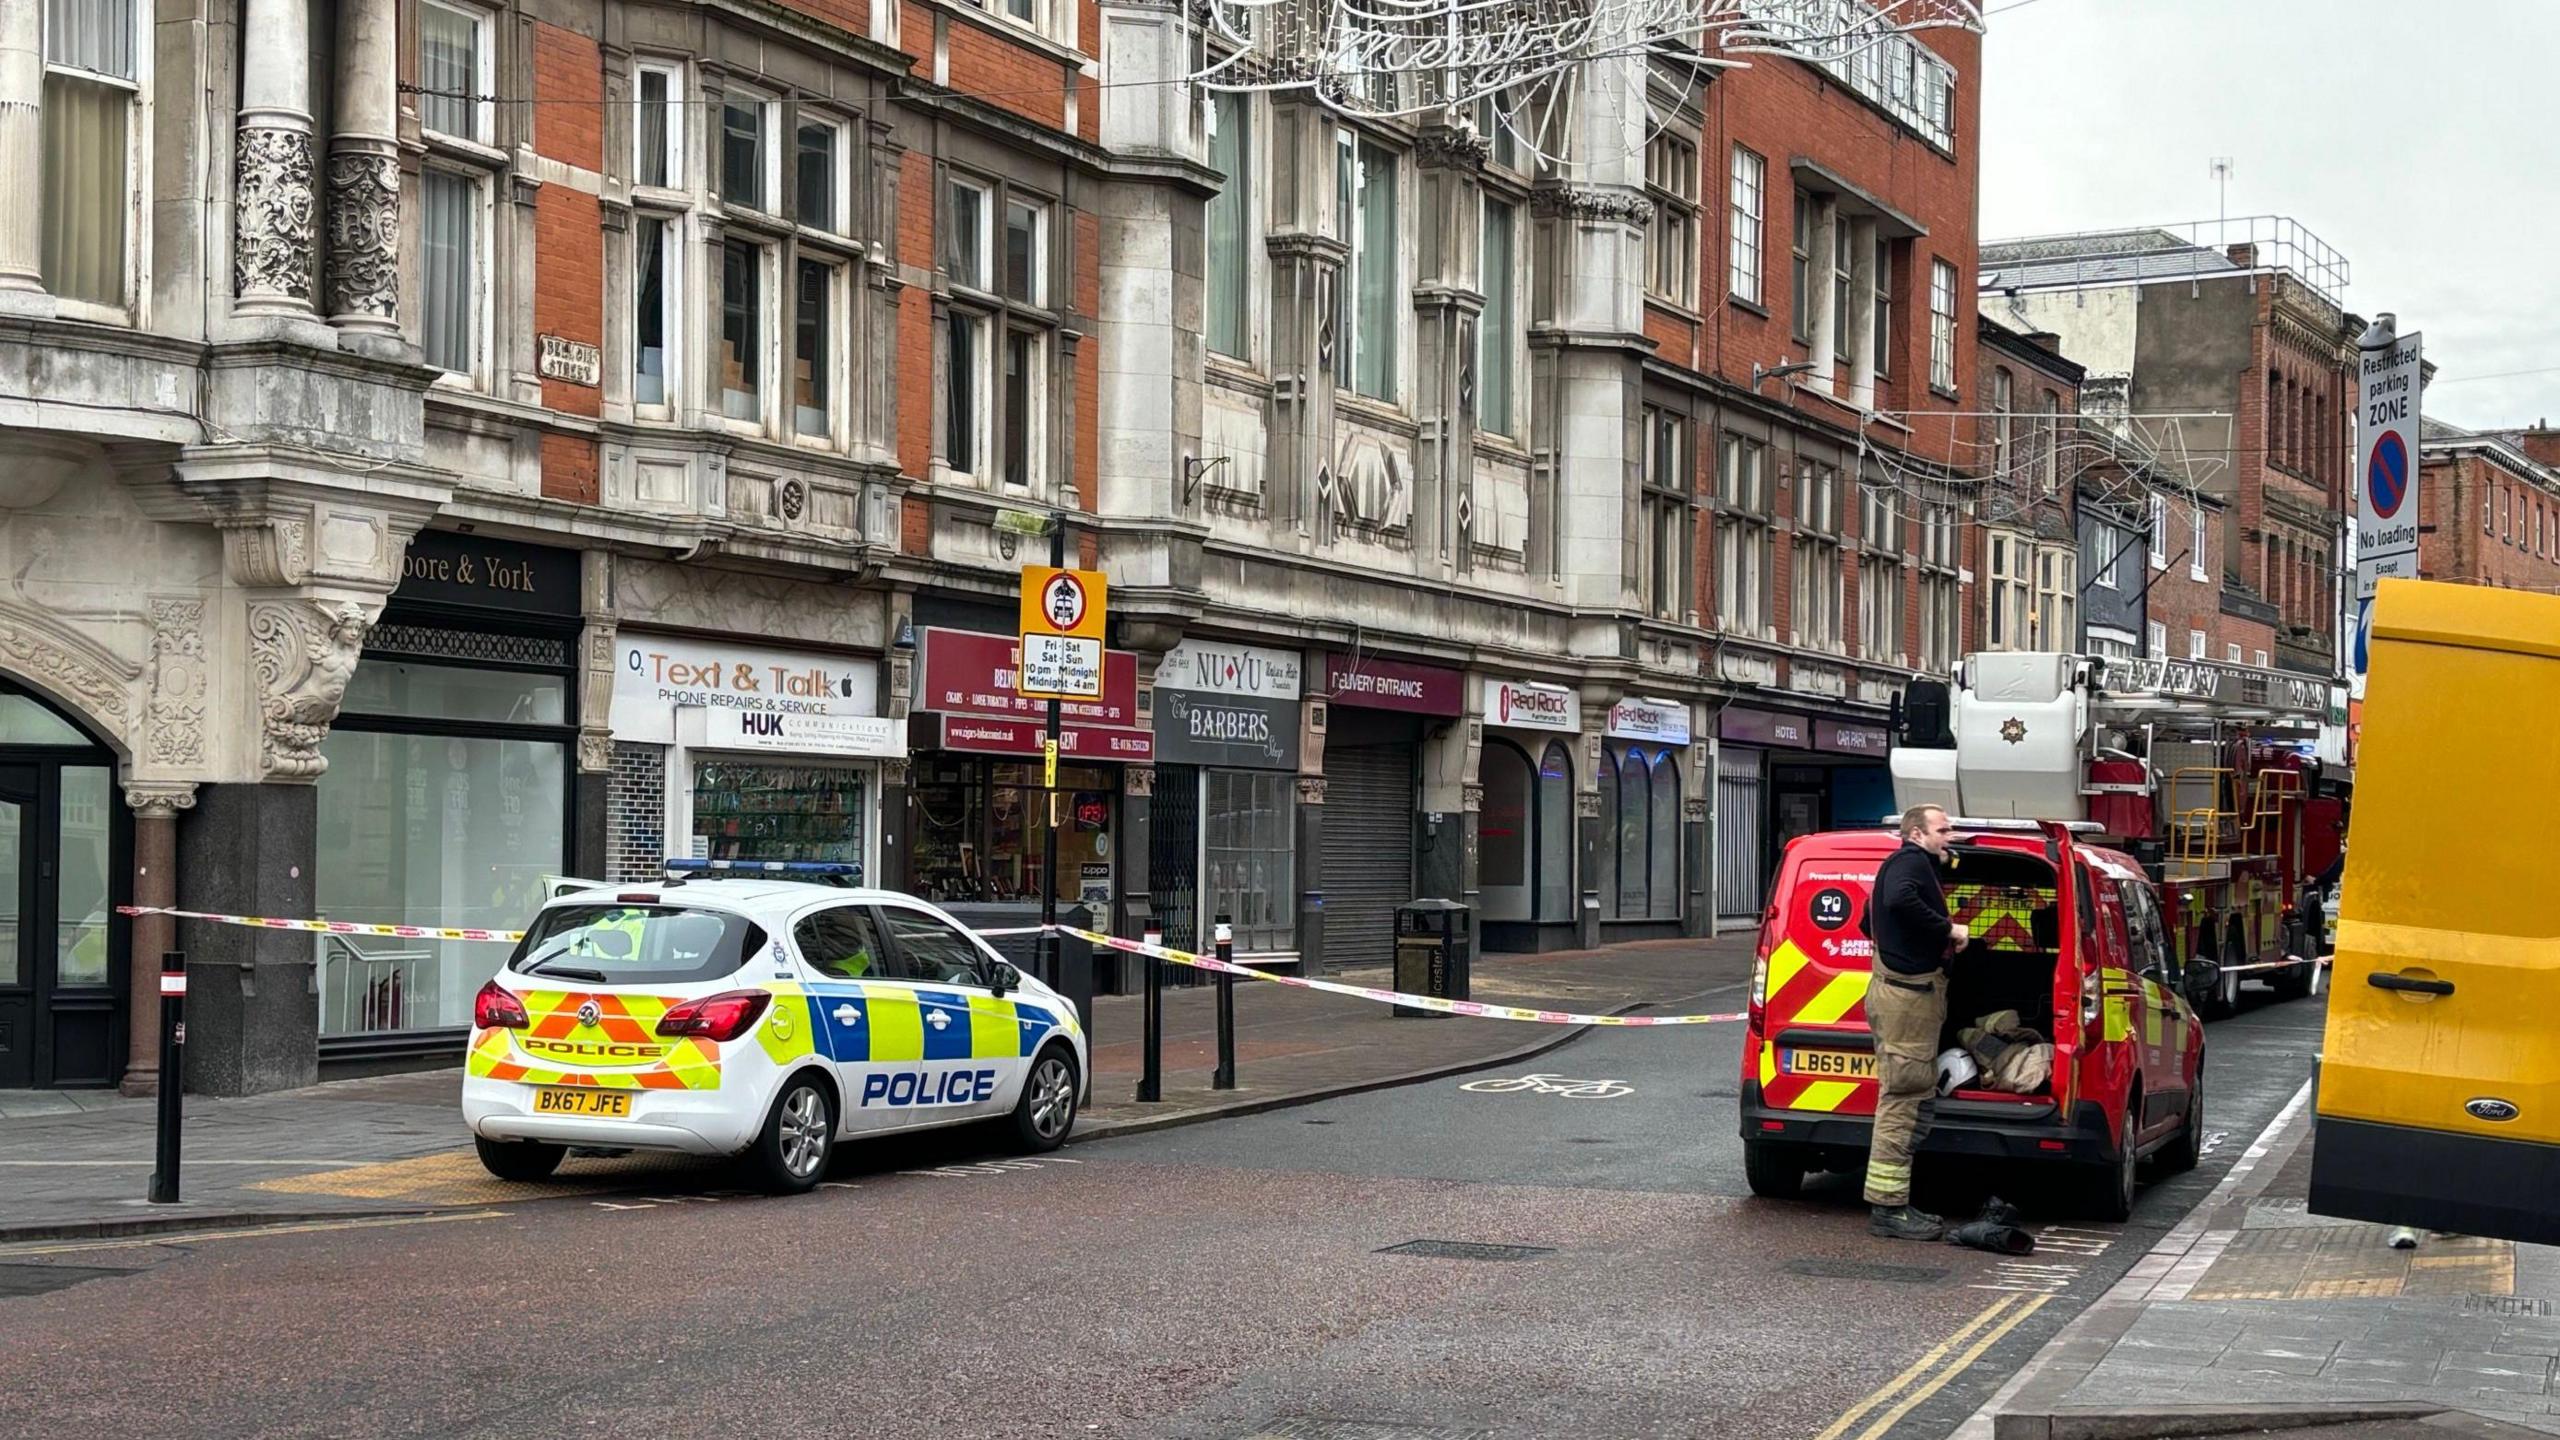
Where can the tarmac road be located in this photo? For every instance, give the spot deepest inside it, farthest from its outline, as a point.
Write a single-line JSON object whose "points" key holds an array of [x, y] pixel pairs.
{"points": [[1221, 1281]]}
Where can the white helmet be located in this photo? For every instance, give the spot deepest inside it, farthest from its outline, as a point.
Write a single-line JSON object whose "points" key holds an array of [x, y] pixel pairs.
{"points": [[1956, 1070]]}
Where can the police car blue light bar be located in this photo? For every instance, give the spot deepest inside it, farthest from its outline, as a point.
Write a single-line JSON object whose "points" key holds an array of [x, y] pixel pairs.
{"points": [[843, 868]]}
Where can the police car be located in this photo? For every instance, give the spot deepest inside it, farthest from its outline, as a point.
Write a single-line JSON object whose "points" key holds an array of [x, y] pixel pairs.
{"points": [[762, 1010]]}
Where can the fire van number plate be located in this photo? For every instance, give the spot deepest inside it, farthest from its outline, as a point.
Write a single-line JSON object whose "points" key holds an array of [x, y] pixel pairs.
{"points": [[1836, 1064], [611, 1103]]}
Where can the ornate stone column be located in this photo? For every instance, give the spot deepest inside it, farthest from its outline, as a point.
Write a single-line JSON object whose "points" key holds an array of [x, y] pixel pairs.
{"points": [[273, 207], [21, 150], [364, 171], [155, 885]]}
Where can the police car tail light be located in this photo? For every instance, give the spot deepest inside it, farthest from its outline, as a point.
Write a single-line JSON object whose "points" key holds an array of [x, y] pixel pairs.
{"points": [[717, 1017], [497, 1008]]}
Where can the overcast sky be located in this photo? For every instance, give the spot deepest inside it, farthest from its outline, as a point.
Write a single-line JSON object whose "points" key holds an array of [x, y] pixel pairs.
{"points": [[2101, 113]]}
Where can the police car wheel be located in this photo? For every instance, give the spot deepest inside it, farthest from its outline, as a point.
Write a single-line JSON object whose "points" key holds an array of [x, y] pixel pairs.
{"points": [[1047, 1109], [799, 1135], [518, 1159]]}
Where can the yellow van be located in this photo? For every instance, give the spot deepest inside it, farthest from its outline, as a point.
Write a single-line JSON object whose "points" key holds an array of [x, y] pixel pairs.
{"points": [[2439, 1085]]}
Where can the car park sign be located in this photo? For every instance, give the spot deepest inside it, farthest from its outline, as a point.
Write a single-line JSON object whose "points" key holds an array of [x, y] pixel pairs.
{"points": [[2388, 377]]}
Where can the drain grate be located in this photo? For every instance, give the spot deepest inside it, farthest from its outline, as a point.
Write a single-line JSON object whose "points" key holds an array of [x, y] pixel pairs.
{"points": [[1467, 1250], [2505, 1305], [1865, 1270]]}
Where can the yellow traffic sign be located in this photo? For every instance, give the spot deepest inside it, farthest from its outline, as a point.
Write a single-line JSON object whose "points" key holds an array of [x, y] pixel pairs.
{"points": [[1063, 602], [1049, 763], [1061, 638]]}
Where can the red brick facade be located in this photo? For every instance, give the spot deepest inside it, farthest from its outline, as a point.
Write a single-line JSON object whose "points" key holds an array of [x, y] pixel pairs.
{"points": [[2490, 512]]}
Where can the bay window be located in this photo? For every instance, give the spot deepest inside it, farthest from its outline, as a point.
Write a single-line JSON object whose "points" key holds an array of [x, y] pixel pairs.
{"points": [[1743, 538], [997, 352], [742, 287], [1880, 575], [2057, 599], [654, 257], [1498, 329], [92, 98], [456, 72], [1367, 315], [817, 197], [1664, 581], [657, 129], [452, 235], [746, 158], [813, 366], [1230, 262], [2007, 557], [1814, 611], [1671, 241]]}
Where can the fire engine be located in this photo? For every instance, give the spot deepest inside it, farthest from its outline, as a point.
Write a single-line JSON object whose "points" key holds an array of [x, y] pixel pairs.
{"points": [[2203, 772]]}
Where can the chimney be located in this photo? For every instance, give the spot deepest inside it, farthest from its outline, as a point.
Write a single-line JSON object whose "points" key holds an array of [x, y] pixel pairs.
{"points": [[2541, 444], [2046, 341], [2243, 255]]}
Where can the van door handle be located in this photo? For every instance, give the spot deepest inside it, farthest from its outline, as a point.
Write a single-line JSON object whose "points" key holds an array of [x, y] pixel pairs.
{"points": [[2402, 982]]}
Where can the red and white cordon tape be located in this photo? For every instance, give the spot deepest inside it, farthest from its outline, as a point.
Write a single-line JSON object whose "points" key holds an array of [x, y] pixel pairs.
{"points": [[1394, 997], [331, 927]]}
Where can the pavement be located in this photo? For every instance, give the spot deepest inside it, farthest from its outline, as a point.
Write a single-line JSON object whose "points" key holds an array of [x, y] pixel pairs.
{"points": [[2256, 1315], [79, 1164]]}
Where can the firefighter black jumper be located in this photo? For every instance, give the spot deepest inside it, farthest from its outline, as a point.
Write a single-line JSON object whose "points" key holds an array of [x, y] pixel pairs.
{"points": [[1906, 1010]]}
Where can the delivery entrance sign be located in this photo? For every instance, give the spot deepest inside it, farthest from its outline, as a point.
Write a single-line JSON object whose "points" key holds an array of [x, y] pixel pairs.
{"points": [[2387, 381]]}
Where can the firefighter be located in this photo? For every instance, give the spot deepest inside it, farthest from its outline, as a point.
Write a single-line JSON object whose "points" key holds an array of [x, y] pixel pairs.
{"points": [[1907, 1008]]}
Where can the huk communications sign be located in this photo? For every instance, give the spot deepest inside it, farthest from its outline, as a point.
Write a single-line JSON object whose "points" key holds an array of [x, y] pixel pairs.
{"points": [[2388, 376]]}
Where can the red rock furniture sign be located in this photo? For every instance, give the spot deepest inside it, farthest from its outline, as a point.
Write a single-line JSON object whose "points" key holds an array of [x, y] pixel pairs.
{"points": [[968, 692]]}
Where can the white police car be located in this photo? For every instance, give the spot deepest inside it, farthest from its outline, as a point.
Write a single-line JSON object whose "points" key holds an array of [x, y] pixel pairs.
{"points": [[740, 1009]]}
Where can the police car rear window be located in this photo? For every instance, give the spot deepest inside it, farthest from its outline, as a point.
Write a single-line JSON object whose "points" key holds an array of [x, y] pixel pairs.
{"points": [[635, 944]]}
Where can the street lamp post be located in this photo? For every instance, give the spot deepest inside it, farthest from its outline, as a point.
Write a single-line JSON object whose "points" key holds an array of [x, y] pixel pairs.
{"points": [[1049, 799]]}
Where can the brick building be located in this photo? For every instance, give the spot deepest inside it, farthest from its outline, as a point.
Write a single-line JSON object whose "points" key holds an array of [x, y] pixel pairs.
{"points": [[2234, 329], [2489, 507], [2023, 540]]}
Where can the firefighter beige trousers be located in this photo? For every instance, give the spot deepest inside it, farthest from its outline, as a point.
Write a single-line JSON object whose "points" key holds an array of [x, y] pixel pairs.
{"points": [[1906, 1012]]}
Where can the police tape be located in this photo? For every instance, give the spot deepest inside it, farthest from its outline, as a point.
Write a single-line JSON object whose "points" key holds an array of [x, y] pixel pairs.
{"points": [[331, 927], [1393, 997]]}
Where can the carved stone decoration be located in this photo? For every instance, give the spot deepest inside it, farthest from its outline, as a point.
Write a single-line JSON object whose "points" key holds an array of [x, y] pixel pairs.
{"points": [[173, 726], [1587, 804], [1450, 148], [304, 652], [1471, 798], [268, 554], [82, 681], [159, 800], [273, 208], [894, 774], [1694, 809], [1582, 203], [1138, 782], [1311, 790], [364, 234], [595, 752]]}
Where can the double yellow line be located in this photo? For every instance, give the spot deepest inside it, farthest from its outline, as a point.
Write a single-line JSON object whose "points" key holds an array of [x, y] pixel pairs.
{"points": [[1932, 1372]]}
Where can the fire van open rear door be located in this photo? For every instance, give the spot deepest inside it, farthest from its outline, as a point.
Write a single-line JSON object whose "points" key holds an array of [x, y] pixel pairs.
{"points": [[2439, 1086]]}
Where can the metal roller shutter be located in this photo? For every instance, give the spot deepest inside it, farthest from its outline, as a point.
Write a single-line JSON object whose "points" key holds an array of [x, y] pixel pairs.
{"points": [[1368, 850], [1738, 825]]}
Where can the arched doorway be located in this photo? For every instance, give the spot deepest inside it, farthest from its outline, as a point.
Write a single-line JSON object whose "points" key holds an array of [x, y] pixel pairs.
{"points": [[65, 865]]}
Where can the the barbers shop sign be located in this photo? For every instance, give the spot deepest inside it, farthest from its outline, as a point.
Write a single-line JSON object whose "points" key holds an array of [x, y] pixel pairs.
{"points": [[1234, 731]]}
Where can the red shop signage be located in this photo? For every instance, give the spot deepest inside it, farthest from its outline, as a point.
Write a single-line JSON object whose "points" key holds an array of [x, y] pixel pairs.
{"points": [[1850, 739], [1394, 685], [990, 736], [966, 673]]}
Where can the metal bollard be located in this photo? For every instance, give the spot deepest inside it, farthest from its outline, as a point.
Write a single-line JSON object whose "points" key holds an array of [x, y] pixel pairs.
{"points": [[173, 1075], [1224, 1077], [1151, 1068]]}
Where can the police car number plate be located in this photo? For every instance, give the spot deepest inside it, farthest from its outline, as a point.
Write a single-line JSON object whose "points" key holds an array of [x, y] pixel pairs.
{"points": [[609, 1103], [1837, 1064]]}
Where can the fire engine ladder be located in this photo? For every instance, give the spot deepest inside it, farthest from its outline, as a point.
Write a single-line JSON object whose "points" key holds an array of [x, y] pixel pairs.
{"points": [[2198, 848], [2272, 792]]}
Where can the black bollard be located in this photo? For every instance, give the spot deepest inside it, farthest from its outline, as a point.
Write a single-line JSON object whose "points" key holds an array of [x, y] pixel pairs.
{"points": [[173, 1075], [1224, 1078], [1151, 1071]]}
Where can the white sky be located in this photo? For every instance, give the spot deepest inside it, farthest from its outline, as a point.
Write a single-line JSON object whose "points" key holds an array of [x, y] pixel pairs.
{"points": [[2101, 113]]}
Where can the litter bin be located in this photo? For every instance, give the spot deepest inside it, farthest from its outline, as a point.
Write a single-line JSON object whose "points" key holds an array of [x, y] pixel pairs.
{"points": [[1433, 938]]}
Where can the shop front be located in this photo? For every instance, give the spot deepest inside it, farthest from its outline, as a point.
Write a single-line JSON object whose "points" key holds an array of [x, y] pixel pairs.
{"points": [[1378, 713], [1524, 835], [1224, 840], [1637, 872], [1781, 775], [974, 828], [447, 800], [744, 752]]}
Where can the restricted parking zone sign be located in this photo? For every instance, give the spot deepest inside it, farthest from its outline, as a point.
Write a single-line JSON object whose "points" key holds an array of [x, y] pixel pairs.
{"points": [[2388, 377], [1061, 633]]}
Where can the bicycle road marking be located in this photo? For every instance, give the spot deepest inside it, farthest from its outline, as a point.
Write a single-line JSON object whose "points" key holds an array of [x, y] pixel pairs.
{"points": [[1542, 1084]]}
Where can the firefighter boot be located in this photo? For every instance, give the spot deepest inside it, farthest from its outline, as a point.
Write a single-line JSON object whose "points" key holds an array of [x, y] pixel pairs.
{"points": [[1904, 1222]]}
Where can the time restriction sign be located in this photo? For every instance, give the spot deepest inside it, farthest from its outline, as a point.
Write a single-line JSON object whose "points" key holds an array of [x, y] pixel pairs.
{"points": [[1062, 615]]}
